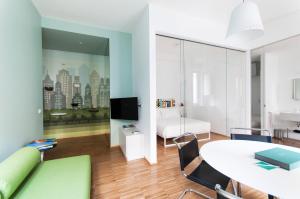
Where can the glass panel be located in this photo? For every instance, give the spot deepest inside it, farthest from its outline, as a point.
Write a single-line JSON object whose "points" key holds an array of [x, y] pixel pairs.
{"points": [[296, 95], [236, 89], [205, 84], [169, 86], [208, 83]]}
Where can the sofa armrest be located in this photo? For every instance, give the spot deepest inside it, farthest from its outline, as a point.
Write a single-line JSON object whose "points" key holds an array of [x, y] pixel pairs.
{"points": [[16, 168]]}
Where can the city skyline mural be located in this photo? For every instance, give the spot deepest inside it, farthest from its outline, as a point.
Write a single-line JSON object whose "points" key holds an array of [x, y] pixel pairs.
{"points": [[76, 94]]}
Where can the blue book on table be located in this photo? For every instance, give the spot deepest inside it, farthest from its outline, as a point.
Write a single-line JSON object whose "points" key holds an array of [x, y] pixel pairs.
{"points": [[38, 145], [43, 144], [283, 158]]}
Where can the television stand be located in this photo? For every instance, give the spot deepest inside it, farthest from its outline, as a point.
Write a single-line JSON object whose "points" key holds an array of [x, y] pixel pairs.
{"points": [[128, 126], [131, 143]]}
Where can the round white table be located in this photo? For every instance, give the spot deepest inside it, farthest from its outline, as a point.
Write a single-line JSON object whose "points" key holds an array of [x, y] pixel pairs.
{"points": [[235, 159]]}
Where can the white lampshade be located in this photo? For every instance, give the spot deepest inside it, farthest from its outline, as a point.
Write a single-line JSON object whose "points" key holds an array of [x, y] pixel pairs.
{"points": [[245, 22]]}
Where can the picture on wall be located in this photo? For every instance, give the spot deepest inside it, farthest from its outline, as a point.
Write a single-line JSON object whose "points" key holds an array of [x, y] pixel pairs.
{"points": [[76, 93]]}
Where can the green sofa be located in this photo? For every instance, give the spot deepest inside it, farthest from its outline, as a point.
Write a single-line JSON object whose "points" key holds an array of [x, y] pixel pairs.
{"points": [[24, 176]]}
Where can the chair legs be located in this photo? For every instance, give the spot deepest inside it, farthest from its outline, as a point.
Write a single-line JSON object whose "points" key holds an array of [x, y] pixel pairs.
{"points": [[238, 191], [236, 188], [271, 197], [193, 191]]}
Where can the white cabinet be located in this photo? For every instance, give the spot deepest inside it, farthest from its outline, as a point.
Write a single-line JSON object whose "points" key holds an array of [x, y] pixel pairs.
{"points": [[132, 144]]}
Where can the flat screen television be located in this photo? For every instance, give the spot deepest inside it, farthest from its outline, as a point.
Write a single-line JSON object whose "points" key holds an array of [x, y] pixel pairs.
{"points": [[124, 108]]}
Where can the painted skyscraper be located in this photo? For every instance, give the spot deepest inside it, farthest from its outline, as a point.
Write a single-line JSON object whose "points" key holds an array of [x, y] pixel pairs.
{"points": [[101, 94], [47, 83], [65, 79], [87, 97], [58, 99], [76, 85], [104, 95], [107, 93], [94, 81], [77, 98]]}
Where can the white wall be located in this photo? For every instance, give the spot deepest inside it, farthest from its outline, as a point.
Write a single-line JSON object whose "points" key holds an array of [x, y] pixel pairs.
{"points": [[20, 75], [143, 84], [179, 25], [175, 24], [283, 65], [278, 29], [280, 65]]}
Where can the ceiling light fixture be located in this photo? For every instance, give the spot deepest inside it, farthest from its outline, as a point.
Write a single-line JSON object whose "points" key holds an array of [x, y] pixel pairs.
{"points": [[245, 22]]}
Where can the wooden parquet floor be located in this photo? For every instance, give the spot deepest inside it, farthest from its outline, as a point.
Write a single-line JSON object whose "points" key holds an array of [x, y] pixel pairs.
{"points": [[113, 177]]}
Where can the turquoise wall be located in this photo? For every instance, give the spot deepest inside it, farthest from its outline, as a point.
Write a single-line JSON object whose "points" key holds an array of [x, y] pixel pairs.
{"points": [[120, 60], [20, 75]]}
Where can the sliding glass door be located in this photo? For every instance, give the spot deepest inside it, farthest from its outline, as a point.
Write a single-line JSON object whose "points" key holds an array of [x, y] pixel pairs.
{"points": [[170, 86], [236, 89], [206, 83]]}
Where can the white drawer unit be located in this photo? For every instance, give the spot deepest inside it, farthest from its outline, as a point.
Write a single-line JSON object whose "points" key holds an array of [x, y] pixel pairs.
{"points": [[132, 144]]}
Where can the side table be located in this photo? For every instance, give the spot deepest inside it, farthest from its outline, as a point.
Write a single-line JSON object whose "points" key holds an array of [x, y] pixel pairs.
{"points": [[43, 145]]}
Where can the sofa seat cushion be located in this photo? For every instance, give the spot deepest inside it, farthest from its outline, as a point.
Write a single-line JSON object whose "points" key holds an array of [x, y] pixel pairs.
{"points": [[67, 178]]}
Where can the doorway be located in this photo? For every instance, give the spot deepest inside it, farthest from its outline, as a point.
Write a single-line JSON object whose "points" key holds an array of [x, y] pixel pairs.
{"points": [[256, 91]]}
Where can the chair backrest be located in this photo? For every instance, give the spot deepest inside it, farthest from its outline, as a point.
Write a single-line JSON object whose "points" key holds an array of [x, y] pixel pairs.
{"points": [[259, 138], [222, 194], [188, 152], [253, 131]]}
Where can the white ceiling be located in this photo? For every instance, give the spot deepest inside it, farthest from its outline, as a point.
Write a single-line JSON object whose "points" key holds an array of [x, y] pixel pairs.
{"points": [[119, 14], [219, 10]]}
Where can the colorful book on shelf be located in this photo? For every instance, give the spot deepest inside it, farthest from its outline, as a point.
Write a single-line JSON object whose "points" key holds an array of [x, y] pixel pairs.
{"points": [[165, 103], [283, 158]]}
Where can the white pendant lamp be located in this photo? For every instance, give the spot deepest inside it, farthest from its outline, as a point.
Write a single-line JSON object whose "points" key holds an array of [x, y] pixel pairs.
{"points": [[245, 22]]}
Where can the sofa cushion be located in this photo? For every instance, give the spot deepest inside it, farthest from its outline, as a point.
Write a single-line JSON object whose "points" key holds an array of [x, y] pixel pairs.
{"points": [[16, 168], [67, 178]]}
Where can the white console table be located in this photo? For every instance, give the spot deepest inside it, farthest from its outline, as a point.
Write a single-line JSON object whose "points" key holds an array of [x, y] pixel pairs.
{"points": [[132, 144]]}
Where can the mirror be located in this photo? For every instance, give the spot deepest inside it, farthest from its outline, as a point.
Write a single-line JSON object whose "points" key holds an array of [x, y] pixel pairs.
{"points": [[296, 94]]}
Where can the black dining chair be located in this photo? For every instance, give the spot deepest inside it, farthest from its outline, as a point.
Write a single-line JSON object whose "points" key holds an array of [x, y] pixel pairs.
{"points": [[256, 137], [203, 174], [259, 138], [222, 194]]}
